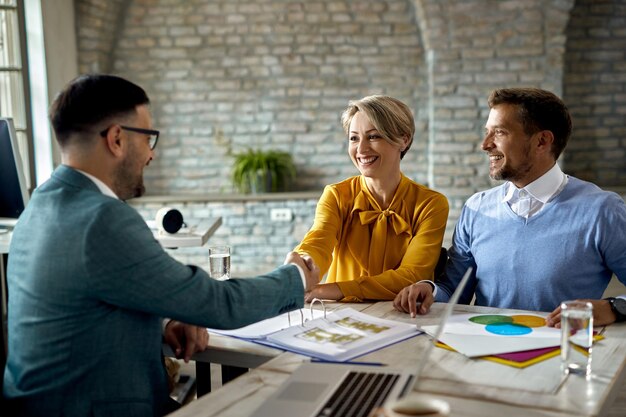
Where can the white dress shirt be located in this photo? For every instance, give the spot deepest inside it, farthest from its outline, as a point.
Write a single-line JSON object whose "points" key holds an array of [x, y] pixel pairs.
{"points": [[528, 201], [104, 189]]}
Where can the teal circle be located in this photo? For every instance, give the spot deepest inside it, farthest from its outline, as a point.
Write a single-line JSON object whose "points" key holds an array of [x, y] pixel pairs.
{"points": [[508, 329]]}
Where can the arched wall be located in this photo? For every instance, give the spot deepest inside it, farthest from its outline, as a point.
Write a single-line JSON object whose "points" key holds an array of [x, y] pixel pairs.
{"points": [[97, 26]]}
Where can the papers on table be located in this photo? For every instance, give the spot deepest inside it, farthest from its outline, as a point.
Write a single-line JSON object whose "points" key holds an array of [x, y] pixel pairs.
{"points": [[482, 334], [340, 336], [520, 359]]}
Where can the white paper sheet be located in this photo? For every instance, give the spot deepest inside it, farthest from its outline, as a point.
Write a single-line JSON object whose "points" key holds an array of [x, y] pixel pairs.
{"points": [[475, 338]]}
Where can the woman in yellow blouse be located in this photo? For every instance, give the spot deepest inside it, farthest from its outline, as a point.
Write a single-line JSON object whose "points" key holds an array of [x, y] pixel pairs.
{"points": [[377, 232]]}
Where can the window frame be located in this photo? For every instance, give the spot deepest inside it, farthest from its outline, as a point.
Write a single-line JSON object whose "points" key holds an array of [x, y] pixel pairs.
{"points": [[22, 69]]}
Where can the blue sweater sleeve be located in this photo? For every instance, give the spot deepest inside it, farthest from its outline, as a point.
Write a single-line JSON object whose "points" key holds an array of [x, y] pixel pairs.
{"points": [[459, 259], [612, 224]]}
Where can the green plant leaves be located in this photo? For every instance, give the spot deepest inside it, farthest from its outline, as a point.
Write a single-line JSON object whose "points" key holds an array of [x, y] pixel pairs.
{"points": [[257, 171]]}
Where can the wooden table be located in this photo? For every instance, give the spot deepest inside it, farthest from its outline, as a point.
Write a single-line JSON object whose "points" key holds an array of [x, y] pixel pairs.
{"points": [[472, 387]]}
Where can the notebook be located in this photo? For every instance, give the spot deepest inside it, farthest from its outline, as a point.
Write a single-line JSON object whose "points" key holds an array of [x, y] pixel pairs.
{"points": [[345, 390]]}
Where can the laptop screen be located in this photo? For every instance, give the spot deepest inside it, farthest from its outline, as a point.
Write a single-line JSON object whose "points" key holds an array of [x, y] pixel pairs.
{"points": [[442, 323]]}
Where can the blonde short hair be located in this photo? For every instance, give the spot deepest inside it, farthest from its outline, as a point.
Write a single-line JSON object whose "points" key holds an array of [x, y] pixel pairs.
{"points": [[391, 117]]}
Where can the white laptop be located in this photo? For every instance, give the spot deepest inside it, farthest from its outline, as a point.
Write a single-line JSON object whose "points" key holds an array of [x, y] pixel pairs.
{"points": [[344, 390]]}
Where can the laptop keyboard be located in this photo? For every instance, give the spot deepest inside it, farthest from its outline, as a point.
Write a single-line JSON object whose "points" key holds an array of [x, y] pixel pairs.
{"points": [[359, 394]]}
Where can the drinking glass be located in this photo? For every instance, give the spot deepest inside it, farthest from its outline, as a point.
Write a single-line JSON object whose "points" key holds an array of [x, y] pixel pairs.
{"points": [[219, 262], [576, 337]]}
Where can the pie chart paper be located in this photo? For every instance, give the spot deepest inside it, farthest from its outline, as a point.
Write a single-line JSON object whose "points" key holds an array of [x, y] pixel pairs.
{"points": [[493, 334]]}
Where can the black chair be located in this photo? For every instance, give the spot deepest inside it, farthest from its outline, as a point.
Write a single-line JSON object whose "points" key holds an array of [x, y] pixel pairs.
{"points": [[3, 359], [440, 267], [3, 327], [3, 406]]}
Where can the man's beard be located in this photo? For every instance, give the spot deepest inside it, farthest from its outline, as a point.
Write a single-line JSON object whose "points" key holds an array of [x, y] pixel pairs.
{"points": [[509, 173], [127, 184]]}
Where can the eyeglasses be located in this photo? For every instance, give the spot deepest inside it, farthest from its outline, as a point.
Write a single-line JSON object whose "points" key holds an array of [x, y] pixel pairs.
{"points": [[153, 134]]}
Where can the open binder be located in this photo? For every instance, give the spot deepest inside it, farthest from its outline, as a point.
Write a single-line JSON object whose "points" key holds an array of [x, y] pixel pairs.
{"points": [[338, 336]]}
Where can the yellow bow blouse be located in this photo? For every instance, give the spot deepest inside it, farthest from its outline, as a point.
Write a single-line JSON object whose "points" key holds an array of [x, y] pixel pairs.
{"points": [[372, 253]]}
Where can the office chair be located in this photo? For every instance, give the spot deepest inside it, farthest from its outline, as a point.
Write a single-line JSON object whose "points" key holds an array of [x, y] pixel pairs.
{"points": [[440, 267], [3, 325], [3, 359]]}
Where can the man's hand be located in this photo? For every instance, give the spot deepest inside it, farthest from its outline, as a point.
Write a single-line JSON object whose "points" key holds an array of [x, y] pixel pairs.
{"points": [[602, 314], [407, 299], [185, 336], [311, 271], [329, 291]]}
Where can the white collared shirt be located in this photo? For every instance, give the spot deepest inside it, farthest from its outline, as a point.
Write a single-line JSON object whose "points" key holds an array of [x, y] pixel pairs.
{"points": [[528, 201], [104, 189]]}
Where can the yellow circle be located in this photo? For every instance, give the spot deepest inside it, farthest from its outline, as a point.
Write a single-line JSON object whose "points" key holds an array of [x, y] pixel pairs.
{"points": [[528, 320]]}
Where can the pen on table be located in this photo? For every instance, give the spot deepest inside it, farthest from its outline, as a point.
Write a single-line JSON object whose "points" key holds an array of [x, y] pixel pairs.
{"points": [[349, 362]]}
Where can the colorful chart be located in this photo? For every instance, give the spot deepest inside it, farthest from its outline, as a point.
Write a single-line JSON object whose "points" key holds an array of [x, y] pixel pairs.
{"points": [[515, 325]]}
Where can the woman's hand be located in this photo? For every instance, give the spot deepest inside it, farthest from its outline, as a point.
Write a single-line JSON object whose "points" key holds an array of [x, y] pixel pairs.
{"points": [[324, 292]]}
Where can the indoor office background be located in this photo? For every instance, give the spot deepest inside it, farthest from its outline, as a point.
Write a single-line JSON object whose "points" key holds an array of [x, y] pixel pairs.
{"points": [[227, 75]]}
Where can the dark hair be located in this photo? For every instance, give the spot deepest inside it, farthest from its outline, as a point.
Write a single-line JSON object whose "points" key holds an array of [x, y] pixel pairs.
{"points": [[89, 100], [538, 110]]}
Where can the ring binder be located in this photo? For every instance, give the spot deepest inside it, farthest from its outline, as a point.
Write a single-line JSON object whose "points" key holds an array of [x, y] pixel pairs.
{"points": [[329, 335], [301, 317], [311, 309]]}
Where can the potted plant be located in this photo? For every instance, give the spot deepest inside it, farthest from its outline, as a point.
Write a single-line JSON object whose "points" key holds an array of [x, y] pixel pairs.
{"points": [[258, 171]]}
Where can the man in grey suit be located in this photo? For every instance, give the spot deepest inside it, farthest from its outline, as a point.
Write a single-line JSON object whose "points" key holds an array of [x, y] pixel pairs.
{"points": [[89, 285]]}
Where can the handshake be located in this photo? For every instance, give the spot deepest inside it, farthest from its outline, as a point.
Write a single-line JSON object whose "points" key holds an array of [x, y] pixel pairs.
{"points": [[310, 269]]}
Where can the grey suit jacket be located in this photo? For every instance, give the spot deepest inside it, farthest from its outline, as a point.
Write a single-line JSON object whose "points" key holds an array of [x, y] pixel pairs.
{"points": [[88, 286]]}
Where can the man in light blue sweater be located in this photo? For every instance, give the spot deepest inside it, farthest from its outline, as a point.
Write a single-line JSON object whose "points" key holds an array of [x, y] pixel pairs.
{"points": [[540, 238]]}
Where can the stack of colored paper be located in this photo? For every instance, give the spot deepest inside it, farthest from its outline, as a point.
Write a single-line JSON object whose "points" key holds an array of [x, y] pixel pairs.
{"points": [[517, 340]]}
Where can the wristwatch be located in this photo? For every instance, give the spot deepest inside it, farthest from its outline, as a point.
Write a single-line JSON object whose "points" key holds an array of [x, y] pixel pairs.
{"points": [[618, 305]]}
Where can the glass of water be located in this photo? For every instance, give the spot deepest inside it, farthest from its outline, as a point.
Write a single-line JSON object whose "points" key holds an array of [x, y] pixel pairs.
{"points": [[219, 262], [576, 337]]}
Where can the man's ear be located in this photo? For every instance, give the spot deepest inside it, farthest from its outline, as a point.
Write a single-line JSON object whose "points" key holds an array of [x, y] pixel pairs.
{"points": [[114, 141], [545, 139]]}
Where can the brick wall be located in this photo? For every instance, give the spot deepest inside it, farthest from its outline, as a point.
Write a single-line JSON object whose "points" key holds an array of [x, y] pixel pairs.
{"points": [[258, 244], [229, 74], [225, 75], [595, 90]]}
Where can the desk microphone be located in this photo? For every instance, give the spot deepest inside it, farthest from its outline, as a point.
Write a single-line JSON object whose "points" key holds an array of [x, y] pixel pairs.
{"points": [[169, 220]]}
